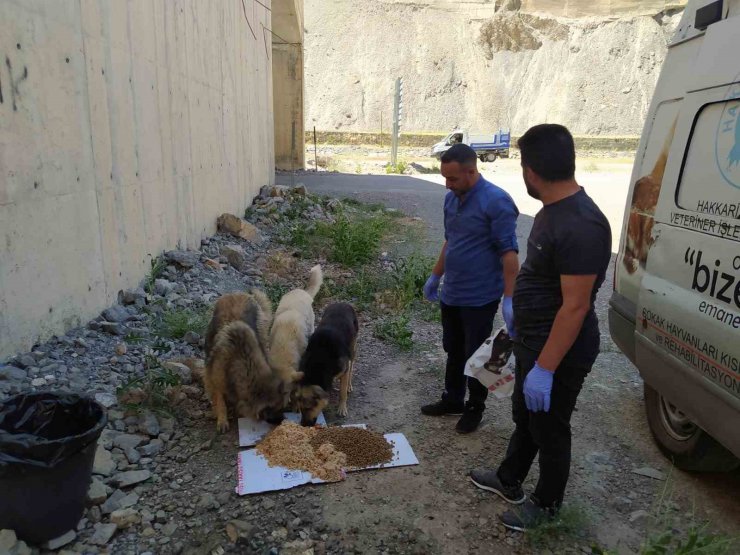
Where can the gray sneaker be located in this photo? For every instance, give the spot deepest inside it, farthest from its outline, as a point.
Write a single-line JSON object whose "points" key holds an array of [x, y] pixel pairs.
{"points": [[489, 481], [528, 516]]}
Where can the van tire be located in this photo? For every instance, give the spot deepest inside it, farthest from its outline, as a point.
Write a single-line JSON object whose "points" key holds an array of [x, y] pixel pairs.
{"points": [[491, 157], [698, 452]]}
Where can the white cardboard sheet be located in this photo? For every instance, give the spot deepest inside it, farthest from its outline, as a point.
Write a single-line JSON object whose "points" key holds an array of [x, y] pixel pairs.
{"points": [[251, 431], [255, 476]]}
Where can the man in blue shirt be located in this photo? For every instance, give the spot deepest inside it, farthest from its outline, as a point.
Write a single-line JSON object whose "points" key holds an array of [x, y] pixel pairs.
{"points": [[479, 263]]}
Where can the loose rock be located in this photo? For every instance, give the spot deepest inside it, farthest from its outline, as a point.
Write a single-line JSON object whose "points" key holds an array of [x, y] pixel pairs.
{"points": [[128, 441], [61, 541], [236, 256], [96, 493], [228, 223], [113, 503], [103, 534], [132, 296], [113, 328], [103, 464], [154, 447], [148, 424], [132, 477], [184, 259], [116, 313], [108, 400], [123, 518], [163, 287], [12, 373], [183, 371]]}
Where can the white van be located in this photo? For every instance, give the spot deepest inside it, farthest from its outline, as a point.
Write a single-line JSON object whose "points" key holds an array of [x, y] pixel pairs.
{"points": [[675, 310]]}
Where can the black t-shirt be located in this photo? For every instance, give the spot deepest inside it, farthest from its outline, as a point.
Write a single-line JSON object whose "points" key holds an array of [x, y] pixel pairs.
{"points": [[568, 237]]}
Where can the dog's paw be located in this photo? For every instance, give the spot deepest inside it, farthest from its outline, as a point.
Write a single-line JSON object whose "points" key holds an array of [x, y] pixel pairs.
{"points": [[342, 410], [222, 426]]}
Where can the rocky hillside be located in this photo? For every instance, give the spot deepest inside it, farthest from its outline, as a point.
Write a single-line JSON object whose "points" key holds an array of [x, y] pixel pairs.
{"points": [[478, 64]]}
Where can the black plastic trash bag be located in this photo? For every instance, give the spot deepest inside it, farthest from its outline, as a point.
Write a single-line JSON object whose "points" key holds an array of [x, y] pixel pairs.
{"points": [[47, 447]]}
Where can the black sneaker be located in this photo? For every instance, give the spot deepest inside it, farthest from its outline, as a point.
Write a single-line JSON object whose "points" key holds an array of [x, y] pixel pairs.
{"points": [[470, 419], [526, 517], [488, 480], [443, 407]]}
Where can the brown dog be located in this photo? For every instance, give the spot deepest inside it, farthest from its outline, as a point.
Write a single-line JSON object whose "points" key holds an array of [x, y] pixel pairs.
{"points": [[237, 370]]}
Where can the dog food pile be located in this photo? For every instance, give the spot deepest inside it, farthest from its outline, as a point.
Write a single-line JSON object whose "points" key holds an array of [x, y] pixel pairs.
{"points": [[362, 447], [289, 445], [324, 452]]}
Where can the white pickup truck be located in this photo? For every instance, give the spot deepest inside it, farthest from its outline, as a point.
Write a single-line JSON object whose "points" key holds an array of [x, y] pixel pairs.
{"points": [[488, 146]]}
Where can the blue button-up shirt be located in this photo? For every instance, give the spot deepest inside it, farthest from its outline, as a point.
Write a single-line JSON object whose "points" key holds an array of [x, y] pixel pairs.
{"points": [[479, 229]]}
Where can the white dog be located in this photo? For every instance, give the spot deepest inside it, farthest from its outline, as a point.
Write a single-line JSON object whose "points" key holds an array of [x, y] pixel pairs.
{"points": [[293, 325]]}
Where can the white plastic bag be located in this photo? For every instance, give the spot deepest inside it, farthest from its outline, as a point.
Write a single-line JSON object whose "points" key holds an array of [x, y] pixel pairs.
{"points": [[498, 380]]}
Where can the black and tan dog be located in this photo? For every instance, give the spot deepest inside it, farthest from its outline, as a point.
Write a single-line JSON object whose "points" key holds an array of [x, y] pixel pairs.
{"points": [[237, 370], [330, 354]]}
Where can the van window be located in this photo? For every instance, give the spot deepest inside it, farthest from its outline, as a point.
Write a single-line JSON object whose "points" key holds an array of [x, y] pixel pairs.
{"points": [[710, 178]]}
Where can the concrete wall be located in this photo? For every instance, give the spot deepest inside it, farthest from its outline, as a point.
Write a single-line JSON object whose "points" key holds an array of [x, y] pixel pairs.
{"points": [[288, 84], [288, 106], [126, 127]]}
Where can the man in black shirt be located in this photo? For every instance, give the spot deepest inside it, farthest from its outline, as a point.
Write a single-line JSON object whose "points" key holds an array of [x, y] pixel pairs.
{"points": [[556, 329]]}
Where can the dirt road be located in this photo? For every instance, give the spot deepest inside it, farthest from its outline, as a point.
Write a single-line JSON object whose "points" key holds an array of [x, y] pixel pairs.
{"points": [[435, 500]]}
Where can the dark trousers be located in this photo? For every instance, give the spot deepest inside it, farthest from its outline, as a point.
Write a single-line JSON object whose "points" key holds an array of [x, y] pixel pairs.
{"points": [[464, 329], [546, 433]]}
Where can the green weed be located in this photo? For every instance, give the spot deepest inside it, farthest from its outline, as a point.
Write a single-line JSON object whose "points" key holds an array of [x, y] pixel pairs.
{"points": [[355, 242], [429, 312], [400, 167], [360, 290], [134, 337], [396, 330], [150, 391], [158, 264], [697, 541], [570, 522], [275, 292], [174, 324], [409, 275], [676, 535]]}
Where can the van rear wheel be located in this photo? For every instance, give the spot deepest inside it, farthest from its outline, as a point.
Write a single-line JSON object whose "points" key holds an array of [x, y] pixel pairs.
{"points": [[683, 442], [490, 157]]}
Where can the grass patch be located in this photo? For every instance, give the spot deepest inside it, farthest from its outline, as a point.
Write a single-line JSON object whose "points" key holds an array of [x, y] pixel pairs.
{"points": [[360, 290], [396, 330], [570, 523], [698, 540], [400, 167], [275, 292], [355, 242], [409, 276], [673, 533], [150, 391], [174, 324], [429, 312]]}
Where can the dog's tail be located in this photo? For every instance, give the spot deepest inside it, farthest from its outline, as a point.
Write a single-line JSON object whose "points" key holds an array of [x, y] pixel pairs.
{"points": [[315, 280]]}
